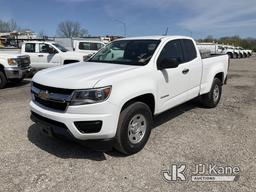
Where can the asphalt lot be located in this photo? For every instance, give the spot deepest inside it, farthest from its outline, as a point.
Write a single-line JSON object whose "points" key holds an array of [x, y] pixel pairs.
{"points": [[31, 161]]}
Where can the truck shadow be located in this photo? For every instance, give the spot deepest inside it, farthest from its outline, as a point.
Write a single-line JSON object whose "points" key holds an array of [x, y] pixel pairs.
{"points": [[174, 112], [19, 84], [60, 147], [69, 149]]}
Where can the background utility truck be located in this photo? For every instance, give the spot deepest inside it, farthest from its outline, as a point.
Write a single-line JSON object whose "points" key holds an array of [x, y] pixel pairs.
{"points": [[88, 47], [45, 54], [13, 67], [115, 95]]}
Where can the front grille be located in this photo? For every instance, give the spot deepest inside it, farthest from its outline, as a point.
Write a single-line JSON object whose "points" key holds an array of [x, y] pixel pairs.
{"points": [[51, 104], [23, 62], [53, 98], [53, 89]]}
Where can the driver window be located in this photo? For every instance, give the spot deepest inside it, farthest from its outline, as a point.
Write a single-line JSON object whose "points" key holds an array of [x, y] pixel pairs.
{"points": [[172, 50], [45, 48]]}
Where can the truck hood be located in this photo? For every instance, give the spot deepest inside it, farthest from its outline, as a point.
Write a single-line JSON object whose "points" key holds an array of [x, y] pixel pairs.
{"points": [[81, 75], [10, 54]]}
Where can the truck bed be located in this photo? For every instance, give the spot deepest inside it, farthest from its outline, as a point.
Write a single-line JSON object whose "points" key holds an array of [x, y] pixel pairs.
{"points": [[211, 63]]}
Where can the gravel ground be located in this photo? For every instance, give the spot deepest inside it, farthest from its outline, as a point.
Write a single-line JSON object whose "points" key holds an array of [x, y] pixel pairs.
{"points": [[31, 161]]}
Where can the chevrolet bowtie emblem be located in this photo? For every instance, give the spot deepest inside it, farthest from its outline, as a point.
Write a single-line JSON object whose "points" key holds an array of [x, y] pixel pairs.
{"points": [[43, 95]]}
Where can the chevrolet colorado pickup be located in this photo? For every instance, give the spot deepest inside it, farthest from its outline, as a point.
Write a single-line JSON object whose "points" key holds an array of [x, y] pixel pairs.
{"points": [[117, 92], [13, 67]]}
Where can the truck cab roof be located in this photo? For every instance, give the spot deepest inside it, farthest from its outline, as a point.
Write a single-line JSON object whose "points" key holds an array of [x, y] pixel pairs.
{"points": [[50, 42], [159, 37]]}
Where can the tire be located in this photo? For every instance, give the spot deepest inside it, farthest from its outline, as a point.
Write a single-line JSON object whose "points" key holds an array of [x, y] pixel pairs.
{"points": [[130, 139], [230, 55], [3, 80], [211, 99]]}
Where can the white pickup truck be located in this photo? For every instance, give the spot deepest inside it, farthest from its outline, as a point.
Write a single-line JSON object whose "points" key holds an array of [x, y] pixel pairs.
{"points": [[87, 47], [45, 54], [13, 67], [115, 95]]}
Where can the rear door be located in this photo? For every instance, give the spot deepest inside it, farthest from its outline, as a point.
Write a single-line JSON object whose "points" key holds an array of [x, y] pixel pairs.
{"points": [[31, 50], [174, 83]]}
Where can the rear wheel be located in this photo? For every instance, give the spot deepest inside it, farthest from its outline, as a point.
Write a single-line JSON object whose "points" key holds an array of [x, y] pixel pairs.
{"points": [[3, 80], [212, 98], [134, 128]]}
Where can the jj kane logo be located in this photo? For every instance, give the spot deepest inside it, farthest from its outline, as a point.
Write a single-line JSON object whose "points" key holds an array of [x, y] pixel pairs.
{"points": [[201, 172]]}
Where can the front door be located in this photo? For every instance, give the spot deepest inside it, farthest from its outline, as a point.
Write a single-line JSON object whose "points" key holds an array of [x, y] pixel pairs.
{"points": [[174, 83], [48, 56]]}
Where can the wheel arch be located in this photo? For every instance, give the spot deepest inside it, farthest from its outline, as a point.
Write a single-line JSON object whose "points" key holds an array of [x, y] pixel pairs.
{"points": [[1, 67], [147, 98], [220, 76]]}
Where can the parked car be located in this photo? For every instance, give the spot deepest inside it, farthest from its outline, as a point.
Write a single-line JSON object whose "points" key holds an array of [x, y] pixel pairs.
{"points": [[88, 47], [13, 67], [242, 53], [237, 53], [115, 95], [246, 53], [45, 54]]}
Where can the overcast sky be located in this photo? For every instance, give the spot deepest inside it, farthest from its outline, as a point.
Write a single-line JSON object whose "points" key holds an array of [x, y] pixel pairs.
{"points": [[142, 17]]}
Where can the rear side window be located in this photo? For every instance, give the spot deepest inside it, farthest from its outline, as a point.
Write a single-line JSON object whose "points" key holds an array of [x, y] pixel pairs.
{"points": [[30, 47], [189, 50], [90, 46], [172, 50]]}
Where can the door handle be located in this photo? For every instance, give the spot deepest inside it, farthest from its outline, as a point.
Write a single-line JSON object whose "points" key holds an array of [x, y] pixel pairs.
{"points": [[40, 55], [185, 71]]}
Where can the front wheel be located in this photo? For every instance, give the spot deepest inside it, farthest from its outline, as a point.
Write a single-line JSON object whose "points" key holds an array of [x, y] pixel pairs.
{"points": [[3, 80], [212, 98], [134, 128]]}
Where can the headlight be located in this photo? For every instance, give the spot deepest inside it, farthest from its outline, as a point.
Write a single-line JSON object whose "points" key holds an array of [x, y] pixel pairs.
{"points": [[12, 61], [90, 96]]}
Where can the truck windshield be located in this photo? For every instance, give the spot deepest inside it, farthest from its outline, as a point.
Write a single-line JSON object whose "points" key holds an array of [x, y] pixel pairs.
{"points": [[128, 52], [60, 47]]}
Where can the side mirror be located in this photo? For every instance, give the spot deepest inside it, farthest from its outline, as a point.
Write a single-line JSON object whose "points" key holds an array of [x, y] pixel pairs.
{"points": [[167, 63]]}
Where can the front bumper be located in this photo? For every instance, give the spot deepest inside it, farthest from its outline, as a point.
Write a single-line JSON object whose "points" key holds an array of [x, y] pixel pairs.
{"points": [[106, 112], [16, 72]]}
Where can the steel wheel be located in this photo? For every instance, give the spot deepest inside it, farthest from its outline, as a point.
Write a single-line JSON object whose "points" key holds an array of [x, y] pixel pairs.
{"points": [[137, 128], [216, 93]]}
